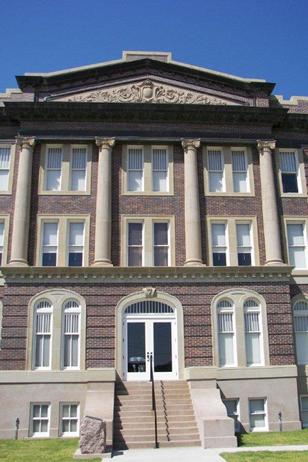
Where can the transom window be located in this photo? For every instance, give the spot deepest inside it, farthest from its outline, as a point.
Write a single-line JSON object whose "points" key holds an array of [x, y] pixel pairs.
{"points": [[149, 307], [43, 331], [289, 171]]}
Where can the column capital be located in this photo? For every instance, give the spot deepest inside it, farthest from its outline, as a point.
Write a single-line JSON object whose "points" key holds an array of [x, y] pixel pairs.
{"points": [[266, 144], [27, 141], [104, 143], [190, 144]]}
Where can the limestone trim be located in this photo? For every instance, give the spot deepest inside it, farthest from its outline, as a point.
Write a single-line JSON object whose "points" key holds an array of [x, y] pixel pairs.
{"points": [[20, 233], [147, 150], [192, 205], [103, 219], [148, 238], [67, 150], [231, 238], [227, 171], [301, 178], [138, 297], [238, 296], [58, 376], [240, 373], [63, 222], [12, 147], [57, 299], [271, 226]]}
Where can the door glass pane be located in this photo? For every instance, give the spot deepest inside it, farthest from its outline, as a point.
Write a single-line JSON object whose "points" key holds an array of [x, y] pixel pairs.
{"points": [[136, 347], [162, 347]]}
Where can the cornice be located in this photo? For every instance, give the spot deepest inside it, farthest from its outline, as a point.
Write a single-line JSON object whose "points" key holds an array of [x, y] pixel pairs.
{"points": [[120, 275]]}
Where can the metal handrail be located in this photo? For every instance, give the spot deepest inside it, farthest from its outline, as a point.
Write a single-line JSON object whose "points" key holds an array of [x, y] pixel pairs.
{"points": [[153, 399]]}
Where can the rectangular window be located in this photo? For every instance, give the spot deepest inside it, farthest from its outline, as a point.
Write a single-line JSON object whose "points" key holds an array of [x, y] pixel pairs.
{"points": [[257, 414], [252, 337], [69, 419], [216, 171], [50, 244], [40, 419], [297, 245], [5, 156], [1, 241], [160, 169], [304, 411], [42, 339], [232, 411], [53, 169], [244, 248], [135, 244], [135, 167], [78, 169], [239, 171], [289, 171], [76, 244], [71, 340], [161, 244], [226, 339], [219, 244]]}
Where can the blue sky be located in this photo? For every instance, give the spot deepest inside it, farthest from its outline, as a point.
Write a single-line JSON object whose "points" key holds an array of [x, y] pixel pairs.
{"points": [[251, 38]]}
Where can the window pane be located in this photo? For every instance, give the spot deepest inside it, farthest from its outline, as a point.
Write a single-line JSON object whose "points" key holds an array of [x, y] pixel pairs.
{"points": [[66, 410], [297, 257], [219, 235], [44, 426], [253, 355], [79, 158], [5, 154], [76, 234], [135, 169], [78, 180], [135, 233], [135, 180], [75, 259], [304, 401], [36, 411], [243, 235], [135, 256], [257, 421], [160, 169], [160, 233], [219, 259], [1, 233], [74, 410], [50, 235], [256, 405], [160, 256], [226, 355], [215, 161], [36, 426], [67, 345], [73, 426], [216, 182], [160, 182], [65, 426], [53, 180], [288, 163], [44, 410], [46, 350], [4, 180], [75, 350], [49, 259], [302, 347], [135, 159], [295, 234], [289, 183], [244, 259]]}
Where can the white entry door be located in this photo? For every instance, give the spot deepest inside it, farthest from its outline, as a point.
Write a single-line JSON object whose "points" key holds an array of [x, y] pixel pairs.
{"points": [[146, 336]]}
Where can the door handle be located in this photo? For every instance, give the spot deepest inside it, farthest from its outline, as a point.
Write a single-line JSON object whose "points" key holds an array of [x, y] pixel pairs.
{"points": [[149, 355]]}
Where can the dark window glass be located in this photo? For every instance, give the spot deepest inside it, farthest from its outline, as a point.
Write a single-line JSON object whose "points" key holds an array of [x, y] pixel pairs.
{"points": [[219, 259], [0, 259], [75, 259], [244, 259], [136, 347], [289, 183], [160, 256], [162, 347], [49, 259], [135, 234]]}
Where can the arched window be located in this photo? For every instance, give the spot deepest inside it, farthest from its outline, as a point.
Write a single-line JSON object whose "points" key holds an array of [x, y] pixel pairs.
{"points": [[42, 329], [301, 330], [252, 316], [226, 337], [71, 334]]}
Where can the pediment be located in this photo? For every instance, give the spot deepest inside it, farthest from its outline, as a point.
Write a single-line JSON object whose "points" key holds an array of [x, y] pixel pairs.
{"points": [[147, 90]]}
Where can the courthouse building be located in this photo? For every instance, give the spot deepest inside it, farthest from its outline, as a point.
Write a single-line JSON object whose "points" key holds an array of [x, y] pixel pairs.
{"points": [[152, 209]]}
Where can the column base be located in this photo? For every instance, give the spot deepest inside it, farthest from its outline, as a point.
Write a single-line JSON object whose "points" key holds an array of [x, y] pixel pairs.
{"points": [[20, 262], [193, 262], [102, 263], [275, 263]]}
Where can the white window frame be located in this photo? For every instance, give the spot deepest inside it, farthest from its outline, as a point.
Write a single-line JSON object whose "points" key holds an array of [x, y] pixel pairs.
{"points": [[72, 147], [153, 245], [68, 246], [226, 224], [251, 237], [140, 147], [216, 149], [304, 224], [40, 434], [298, 172], [257, 309], [244, 151], [62, 417], [42, 246], [42, 310], [165, 148], [53, 146], [227, 310], [72, 310], [265, 413], [127, 241]]}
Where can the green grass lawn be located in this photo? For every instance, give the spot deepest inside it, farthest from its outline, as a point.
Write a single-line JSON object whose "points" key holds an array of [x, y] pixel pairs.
{"points": [[49, 450], [274, 438], [266, 456]]}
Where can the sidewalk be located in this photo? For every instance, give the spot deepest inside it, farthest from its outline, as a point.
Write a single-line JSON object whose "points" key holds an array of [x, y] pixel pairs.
{"points": [[192, 454]]}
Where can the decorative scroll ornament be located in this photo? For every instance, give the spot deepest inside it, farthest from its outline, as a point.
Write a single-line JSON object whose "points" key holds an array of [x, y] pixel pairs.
{"points": [[145, 92], [149, 292]]}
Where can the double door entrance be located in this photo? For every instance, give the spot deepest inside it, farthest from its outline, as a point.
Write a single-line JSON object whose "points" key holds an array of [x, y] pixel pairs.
{"points": [[147, 337]]}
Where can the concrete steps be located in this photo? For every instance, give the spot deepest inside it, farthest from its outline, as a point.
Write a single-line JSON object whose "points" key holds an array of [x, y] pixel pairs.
{"points": [[134, 419]]}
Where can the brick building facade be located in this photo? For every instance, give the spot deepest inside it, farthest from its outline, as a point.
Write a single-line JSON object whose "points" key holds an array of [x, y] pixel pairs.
{"points": [[150, 206]]}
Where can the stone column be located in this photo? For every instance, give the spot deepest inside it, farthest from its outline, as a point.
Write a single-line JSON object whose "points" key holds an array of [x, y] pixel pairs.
{"points": [[192, 206], [269, 204], [103, 203], [20, 234]]}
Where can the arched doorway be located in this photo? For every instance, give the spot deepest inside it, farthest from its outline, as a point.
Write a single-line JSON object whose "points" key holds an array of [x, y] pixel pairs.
{"points": [[150, 327]]}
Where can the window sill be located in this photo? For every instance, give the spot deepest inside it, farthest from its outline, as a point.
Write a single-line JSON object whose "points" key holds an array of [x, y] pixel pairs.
{"points": [[293, 195], [147, 193], [5, 193], [64, 193], [229, 194]]}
